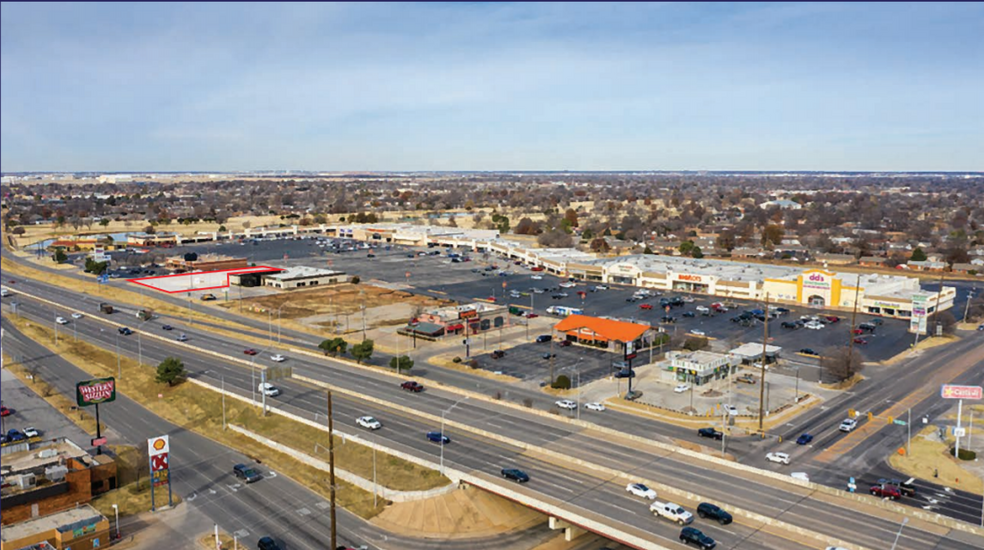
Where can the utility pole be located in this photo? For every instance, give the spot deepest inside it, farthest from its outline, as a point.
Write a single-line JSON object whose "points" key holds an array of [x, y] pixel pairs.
{"points": [[970, 296], [551, 358], [331, 473], [850, 336], [765, 343]]}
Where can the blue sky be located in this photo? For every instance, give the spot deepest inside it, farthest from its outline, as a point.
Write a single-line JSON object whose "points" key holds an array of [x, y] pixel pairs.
{"points": [[483, 86]]}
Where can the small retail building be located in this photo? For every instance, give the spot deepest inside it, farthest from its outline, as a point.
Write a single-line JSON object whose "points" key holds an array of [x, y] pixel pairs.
{"points": [[55, 476], [752, 353], [615, 336], [303, 277], [165, 239], [465, 319], [205, 262], [79, 528], [698, 367]]}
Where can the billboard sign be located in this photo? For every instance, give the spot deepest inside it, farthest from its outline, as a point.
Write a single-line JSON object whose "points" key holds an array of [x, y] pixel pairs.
{"points": [[93, 392], [917, 323], [950, 391]]}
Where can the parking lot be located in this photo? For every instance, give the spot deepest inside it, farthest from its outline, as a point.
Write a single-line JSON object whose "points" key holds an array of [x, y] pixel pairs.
{"points": [[468, 281], [529, 362], [31, 411]]}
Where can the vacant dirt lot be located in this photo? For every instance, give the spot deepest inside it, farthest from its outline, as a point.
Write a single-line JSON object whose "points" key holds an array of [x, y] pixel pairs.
{"points": [[324, 307]]}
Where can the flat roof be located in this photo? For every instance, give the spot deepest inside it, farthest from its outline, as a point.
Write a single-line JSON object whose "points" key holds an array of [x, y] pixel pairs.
{"points": [[620, 331], [34, 527], [700, 357], [752, 350], [303, 272], [23, 461]]}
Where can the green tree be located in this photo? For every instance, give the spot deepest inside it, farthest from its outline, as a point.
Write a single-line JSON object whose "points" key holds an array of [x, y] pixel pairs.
{"points": [[222, 229], [772, 235], [335, 346], [170, 371], [686, 247], [94, 267], [104, 222], [696, 252], [401, 363], [563, 382], [362, 351], [648, 250], [918, 255], [60, 256]]}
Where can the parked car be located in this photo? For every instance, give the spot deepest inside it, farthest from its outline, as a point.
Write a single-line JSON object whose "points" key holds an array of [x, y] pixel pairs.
{"points": [[890, 492], [412, 386], [566, 404], [594, 406], [4, 411], [781, 458], [861, 341], [15, 435], [516, 475], [706, 510], [789, 324], [698, 332], [804, 439], [369, 423], [688, 314], [565, 343], [625, 373], [32, 432], [646, 306], [438, 437], [246, 473], [808, 351], [640, 490], [680, 388], [732, 410], [543, 338], [848, 425], [747, 379], [711, 433], [497, 354]]}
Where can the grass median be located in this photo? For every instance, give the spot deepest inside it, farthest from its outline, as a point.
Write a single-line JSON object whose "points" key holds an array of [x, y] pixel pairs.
{"points": [[201, 411]]}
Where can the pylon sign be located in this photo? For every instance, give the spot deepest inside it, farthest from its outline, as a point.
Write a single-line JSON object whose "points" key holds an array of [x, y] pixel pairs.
{"points": [[950, 391], [159, 455]]}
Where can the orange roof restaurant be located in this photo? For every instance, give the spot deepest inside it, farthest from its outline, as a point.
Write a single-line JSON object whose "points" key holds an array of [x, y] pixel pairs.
{"points": [[608, 334]]}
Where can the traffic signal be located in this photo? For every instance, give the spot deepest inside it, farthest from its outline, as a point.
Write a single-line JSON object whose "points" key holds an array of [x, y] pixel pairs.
{"points": [[780, 439], [852, 413], [871, 416], [891, 419]]}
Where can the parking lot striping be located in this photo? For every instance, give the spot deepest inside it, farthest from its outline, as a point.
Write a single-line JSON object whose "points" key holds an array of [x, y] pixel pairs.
{"points": [[859, 435]]}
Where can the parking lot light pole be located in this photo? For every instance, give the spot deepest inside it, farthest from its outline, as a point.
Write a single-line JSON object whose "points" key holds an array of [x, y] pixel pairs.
{"points": [[140, 343], [446, 411]]}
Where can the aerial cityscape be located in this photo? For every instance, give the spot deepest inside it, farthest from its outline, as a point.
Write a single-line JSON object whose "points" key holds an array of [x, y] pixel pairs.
{"points": [[492, 276]]}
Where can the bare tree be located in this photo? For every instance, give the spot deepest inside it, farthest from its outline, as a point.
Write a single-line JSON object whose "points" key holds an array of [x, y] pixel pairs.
{"points": [[841, 362]]}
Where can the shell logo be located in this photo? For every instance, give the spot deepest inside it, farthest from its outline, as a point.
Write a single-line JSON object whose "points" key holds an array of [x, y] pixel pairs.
{"points": [[159, 444]]}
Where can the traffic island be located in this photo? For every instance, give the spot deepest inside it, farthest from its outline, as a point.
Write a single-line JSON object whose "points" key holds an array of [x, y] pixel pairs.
{"points": [[929, 458]]}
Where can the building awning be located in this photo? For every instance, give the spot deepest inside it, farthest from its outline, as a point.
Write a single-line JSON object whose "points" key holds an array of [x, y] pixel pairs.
{"points": [[606, 329], [456, 326], [428, 329]]}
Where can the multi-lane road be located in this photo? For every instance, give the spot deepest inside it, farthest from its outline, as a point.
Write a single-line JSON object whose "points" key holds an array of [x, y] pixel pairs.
{"points": [[559, 481]]}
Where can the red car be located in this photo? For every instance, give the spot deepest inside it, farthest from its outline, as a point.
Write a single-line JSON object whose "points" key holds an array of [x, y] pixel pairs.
{"points": [[4, 411], [536, 269], [532, 315], [857, 331], [564, 343], [412, 386], [886, 491], [645, 306], [861, 341], [832, 318], [250, 351]]}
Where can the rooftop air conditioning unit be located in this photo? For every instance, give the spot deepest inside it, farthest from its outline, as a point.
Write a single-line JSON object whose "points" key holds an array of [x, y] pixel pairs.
{"points": [[25, 481], [48, 453], [55, 473]]}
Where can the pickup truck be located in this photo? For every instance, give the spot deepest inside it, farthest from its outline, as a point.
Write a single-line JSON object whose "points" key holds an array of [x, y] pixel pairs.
{"points": [[105, 308], [672, 512]]}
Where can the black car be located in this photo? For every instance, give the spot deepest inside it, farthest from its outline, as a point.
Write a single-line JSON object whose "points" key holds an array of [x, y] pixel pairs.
{"points": [[789, 324], [625, 373], [668, 319], [689, 314], [498, 354], [708, 510], [167, 327], [711, 433], [690, 535], [543, 338], [125, 331], [549, 355], [267, 543], [516, 475], [246, 473], [808, 351]]}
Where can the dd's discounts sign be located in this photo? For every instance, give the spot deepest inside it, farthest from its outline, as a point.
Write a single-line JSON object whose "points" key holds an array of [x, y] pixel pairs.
{"points": [[159, 453]]}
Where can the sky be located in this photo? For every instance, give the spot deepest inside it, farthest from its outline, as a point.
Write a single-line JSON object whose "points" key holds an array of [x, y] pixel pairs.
{"points": [[491, 86]]}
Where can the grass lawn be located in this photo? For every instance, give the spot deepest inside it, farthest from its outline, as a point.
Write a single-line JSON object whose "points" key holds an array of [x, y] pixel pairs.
{"points": [[928, 455], [201, 411]]}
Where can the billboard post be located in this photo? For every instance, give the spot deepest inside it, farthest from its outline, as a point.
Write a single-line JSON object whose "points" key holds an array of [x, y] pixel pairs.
{"points": [[94, 392], [158, 453]]}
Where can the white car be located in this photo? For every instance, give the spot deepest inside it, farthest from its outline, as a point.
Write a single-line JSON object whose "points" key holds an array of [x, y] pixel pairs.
{"points": [[567, 285], [268, 389], [732, 410], [680, 388], [800, 475], [698, 332], [594, 406], [278, 358], [566, 404], [31, 432], [601, 287], [640, 490], [536, 277], [61, 320], [369, 423], [77, 315], [848, 425], [781, 458]]}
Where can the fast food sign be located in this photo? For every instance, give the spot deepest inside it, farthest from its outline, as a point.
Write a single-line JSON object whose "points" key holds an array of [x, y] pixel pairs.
{"points": [[93, 392], [950, 391]]}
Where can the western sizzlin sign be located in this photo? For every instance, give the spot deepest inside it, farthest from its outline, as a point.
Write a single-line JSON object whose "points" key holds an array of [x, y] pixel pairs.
{"points": [[93, 392]]}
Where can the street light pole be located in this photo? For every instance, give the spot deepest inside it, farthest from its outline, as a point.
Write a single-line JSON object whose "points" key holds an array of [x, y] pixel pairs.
{"points": [[899, 534], [455, 404], [116, 510], [119, 363]]}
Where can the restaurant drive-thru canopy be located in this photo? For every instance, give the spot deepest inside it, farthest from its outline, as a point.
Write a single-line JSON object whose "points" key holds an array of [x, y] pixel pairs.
{"points": [[597, 329]]}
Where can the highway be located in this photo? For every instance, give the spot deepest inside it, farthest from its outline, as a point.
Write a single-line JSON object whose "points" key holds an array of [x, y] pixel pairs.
{"points": [[202, 477], [565, 482]]}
